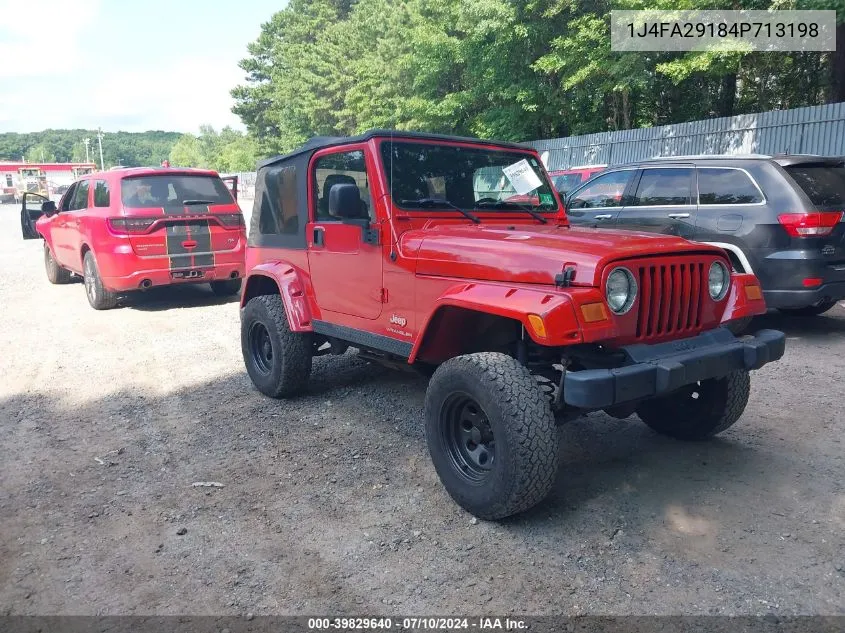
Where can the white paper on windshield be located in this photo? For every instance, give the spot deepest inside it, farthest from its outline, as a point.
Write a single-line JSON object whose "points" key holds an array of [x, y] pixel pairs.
{"points": [[522, 177]]}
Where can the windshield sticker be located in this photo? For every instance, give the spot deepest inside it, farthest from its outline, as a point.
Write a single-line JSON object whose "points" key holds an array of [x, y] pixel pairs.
{"points": [[522, 177], [546, 198]]}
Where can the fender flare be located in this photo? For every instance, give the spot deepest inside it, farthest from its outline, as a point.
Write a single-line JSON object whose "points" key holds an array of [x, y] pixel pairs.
{"points": [[736, 250], [291, 288], [557, 310]]}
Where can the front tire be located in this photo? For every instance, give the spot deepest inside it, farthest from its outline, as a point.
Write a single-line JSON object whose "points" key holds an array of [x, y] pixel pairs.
{"points": [[55, 273], [491, 434], [277, 360], [99, 297], [814, 310], [226, 288], [701, 410]]}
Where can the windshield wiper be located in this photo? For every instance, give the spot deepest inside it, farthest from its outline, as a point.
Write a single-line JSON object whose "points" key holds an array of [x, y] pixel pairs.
{"points": [[500, 204], [190, 202], [440, 202]]}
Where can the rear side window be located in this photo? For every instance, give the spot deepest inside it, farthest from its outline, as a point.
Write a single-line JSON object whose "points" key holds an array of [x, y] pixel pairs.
{"points": [[726, 186], [280, 217], [80, 196], [101, 194], [664, 188], [823, 184], [173, 189]]}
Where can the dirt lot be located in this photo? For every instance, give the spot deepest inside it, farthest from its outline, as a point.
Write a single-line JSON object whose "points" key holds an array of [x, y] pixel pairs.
{"points": [[330, 504]]}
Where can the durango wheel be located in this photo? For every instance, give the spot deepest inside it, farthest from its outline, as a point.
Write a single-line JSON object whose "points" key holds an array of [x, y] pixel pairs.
{"points": [[98, 296], [55, 273], [491, 434]]}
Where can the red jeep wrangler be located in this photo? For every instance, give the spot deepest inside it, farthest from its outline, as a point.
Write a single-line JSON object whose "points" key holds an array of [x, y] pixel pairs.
{"points": [[454, 256], [134, 228]]}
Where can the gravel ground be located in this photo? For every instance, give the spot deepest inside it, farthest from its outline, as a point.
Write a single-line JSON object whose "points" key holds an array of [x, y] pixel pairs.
{"points": [[330, 504]]}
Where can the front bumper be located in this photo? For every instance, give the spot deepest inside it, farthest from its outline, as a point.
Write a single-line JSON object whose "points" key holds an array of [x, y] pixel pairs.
{"points": [[658, 369]]}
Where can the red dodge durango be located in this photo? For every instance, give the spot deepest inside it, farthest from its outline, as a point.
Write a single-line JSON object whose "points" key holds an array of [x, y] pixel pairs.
{"points": [[134, 228]]}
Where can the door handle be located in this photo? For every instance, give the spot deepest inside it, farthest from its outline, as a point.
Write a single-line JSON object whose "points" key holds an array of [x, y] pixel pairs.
{"points": [[678, 216], [603, 216], [319, 236]]}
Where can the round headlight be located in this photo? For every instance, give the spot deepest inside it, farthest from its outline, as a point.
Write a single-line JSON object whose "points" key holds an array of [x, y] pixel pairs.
{"points": [[621, 290], [718, 279]]}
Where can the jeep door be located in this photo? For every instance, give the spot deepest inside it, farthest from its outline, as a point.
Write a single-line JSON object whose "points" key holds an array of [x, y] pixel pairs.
{"points": [[663, 201], [597, 203], [344, 259], [31, 210]]}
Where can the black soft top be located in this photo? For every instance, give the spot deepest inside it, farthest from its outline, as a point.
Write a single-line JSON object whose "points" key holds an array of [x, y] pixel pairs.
{"points": [[319, 142]]}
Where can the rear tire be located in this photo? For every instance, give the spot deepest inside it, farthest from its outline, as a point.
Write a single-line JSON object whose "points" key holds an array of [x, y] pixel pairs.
{"points": [[814, 310], [99, 297], [226, 288], [277, 360], [491, 434], [699, 411], [55, 273]]}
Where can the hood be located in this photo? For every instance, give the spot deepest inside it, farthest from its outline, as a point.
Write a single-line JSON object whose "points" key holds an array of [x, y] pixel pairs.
{"points": [[533, 253]]}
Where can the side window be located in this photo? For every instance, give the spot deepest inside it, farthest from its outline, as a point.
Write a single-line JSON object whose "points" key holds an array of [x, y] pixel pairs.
{"points": [[664, 187], [67, 199], [336, 169], [726, 186], [80, 196], [604, 191], [101, 194], [280, 215]]}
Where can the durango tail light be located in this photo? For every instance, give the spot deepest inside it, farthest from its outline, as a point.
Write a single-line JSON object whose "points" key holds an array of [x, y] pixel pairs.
{"points": [[231, 220], [816, 224], [131, 226]]}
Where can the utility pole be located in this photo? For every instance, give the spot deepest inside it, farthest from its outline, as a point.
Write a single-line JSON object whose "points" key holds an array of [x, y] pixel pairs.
{"points": [[100, 141], [87, 142]]}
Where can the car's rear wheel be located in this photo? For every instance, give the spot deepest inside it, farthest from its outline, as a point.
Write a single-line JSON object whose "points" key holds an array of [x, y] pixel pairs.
{"points": [[277, 360], [55, 273], [226, 288], [700, 410], [491, 434], [98, 295], [813, 310]]}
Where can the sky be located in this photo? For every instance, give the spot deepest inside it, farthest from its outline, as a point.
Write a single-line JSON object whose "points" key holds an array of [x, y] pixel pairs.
{"points": [[124, 65]]}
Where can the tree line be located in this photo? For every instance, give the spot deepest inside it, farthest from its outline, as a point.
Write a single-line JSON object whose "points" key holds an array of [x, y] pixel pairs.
{"points": [[507, 69]]}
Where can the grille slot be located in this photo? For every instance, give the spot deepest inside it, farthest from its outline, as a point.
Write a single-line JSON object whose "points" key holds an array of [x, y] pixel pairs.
{"points": [[670, 299]]}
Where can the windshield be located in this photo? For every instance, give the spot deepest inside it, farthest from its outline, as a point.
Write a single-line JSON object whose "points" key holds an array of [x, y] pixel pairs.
{"points": [[161, 190], [823, 184], [446, 176]]}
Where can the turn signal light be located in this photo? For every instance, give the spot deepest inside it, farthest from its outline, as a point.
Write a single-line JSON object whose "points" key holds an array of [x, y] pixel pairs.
{"points": [[131, 225], [753, 292], [537, 325], [593, 312], [816, 224]]}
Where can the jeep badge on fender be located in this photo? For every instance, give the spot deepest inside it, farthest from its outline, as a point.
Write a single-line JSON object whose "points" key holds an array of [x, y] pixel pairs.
{"points": [[464, 245]]}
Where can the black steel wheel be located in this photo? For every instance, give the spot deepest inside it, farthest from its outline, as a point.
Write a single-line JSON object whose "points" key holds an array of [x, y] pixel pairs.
{"points": [[261, 347], [468, 437]]}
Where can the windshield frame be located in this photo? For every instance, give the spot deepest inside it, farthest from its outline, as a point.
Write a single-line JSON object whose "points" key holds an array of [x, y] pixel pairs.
{"points": [[515, 208]]}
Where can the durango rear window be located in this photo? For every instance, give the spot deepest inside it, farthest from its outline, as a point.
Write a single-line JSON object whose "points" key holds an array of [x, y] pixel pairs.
{"points": [[173, 189], [823, 184]]}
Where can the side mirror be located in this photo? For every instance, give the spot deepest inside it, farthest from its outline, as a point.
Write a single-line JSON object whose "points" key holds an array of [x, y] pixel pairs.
{"points": [[49, 208], [345, 202]]}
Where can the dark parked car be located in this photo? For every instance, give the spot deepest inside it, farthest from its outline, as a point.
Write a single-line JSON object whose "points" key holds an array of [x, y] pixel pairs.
{"points": [[779, 217]]}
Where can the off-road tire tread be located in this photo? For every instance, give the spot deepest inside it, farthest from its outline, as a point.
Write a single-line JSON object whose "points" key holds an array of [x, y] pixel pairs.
{"points": [[106, 300], [226, 287], [527, 419], [296, 349], [55, 273], [727, 407], [808, 311]]}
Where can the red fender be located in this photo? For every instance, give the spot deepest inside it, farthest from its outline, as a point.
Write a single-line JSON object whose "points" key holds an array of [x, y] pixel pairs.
{"points": [[291, 289], [745, 298]]}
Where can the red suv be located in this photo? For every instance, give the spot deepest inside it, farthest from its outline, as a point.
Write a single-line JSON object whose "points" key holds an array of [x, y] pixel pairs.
{"points": [[134, 228]]}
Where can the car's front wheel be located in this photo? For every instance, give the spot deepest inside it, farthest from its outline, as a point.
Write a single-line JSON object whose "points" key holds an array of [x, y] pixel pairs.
{"points": [[277, 360], [491, 434], [226, 288], [813, 310], [98, 295], [700, 410], [55, 273]]}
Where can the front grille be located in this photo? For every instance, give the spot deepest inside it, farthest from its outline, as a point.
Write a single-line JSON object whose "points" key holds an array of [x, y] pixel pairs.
{"points": [[670, 299]]}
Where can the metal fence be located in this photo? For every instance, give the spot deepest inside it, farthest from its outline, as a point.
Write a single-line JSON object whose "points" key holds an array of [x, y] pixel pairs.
{"points": [[812, 130]]}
